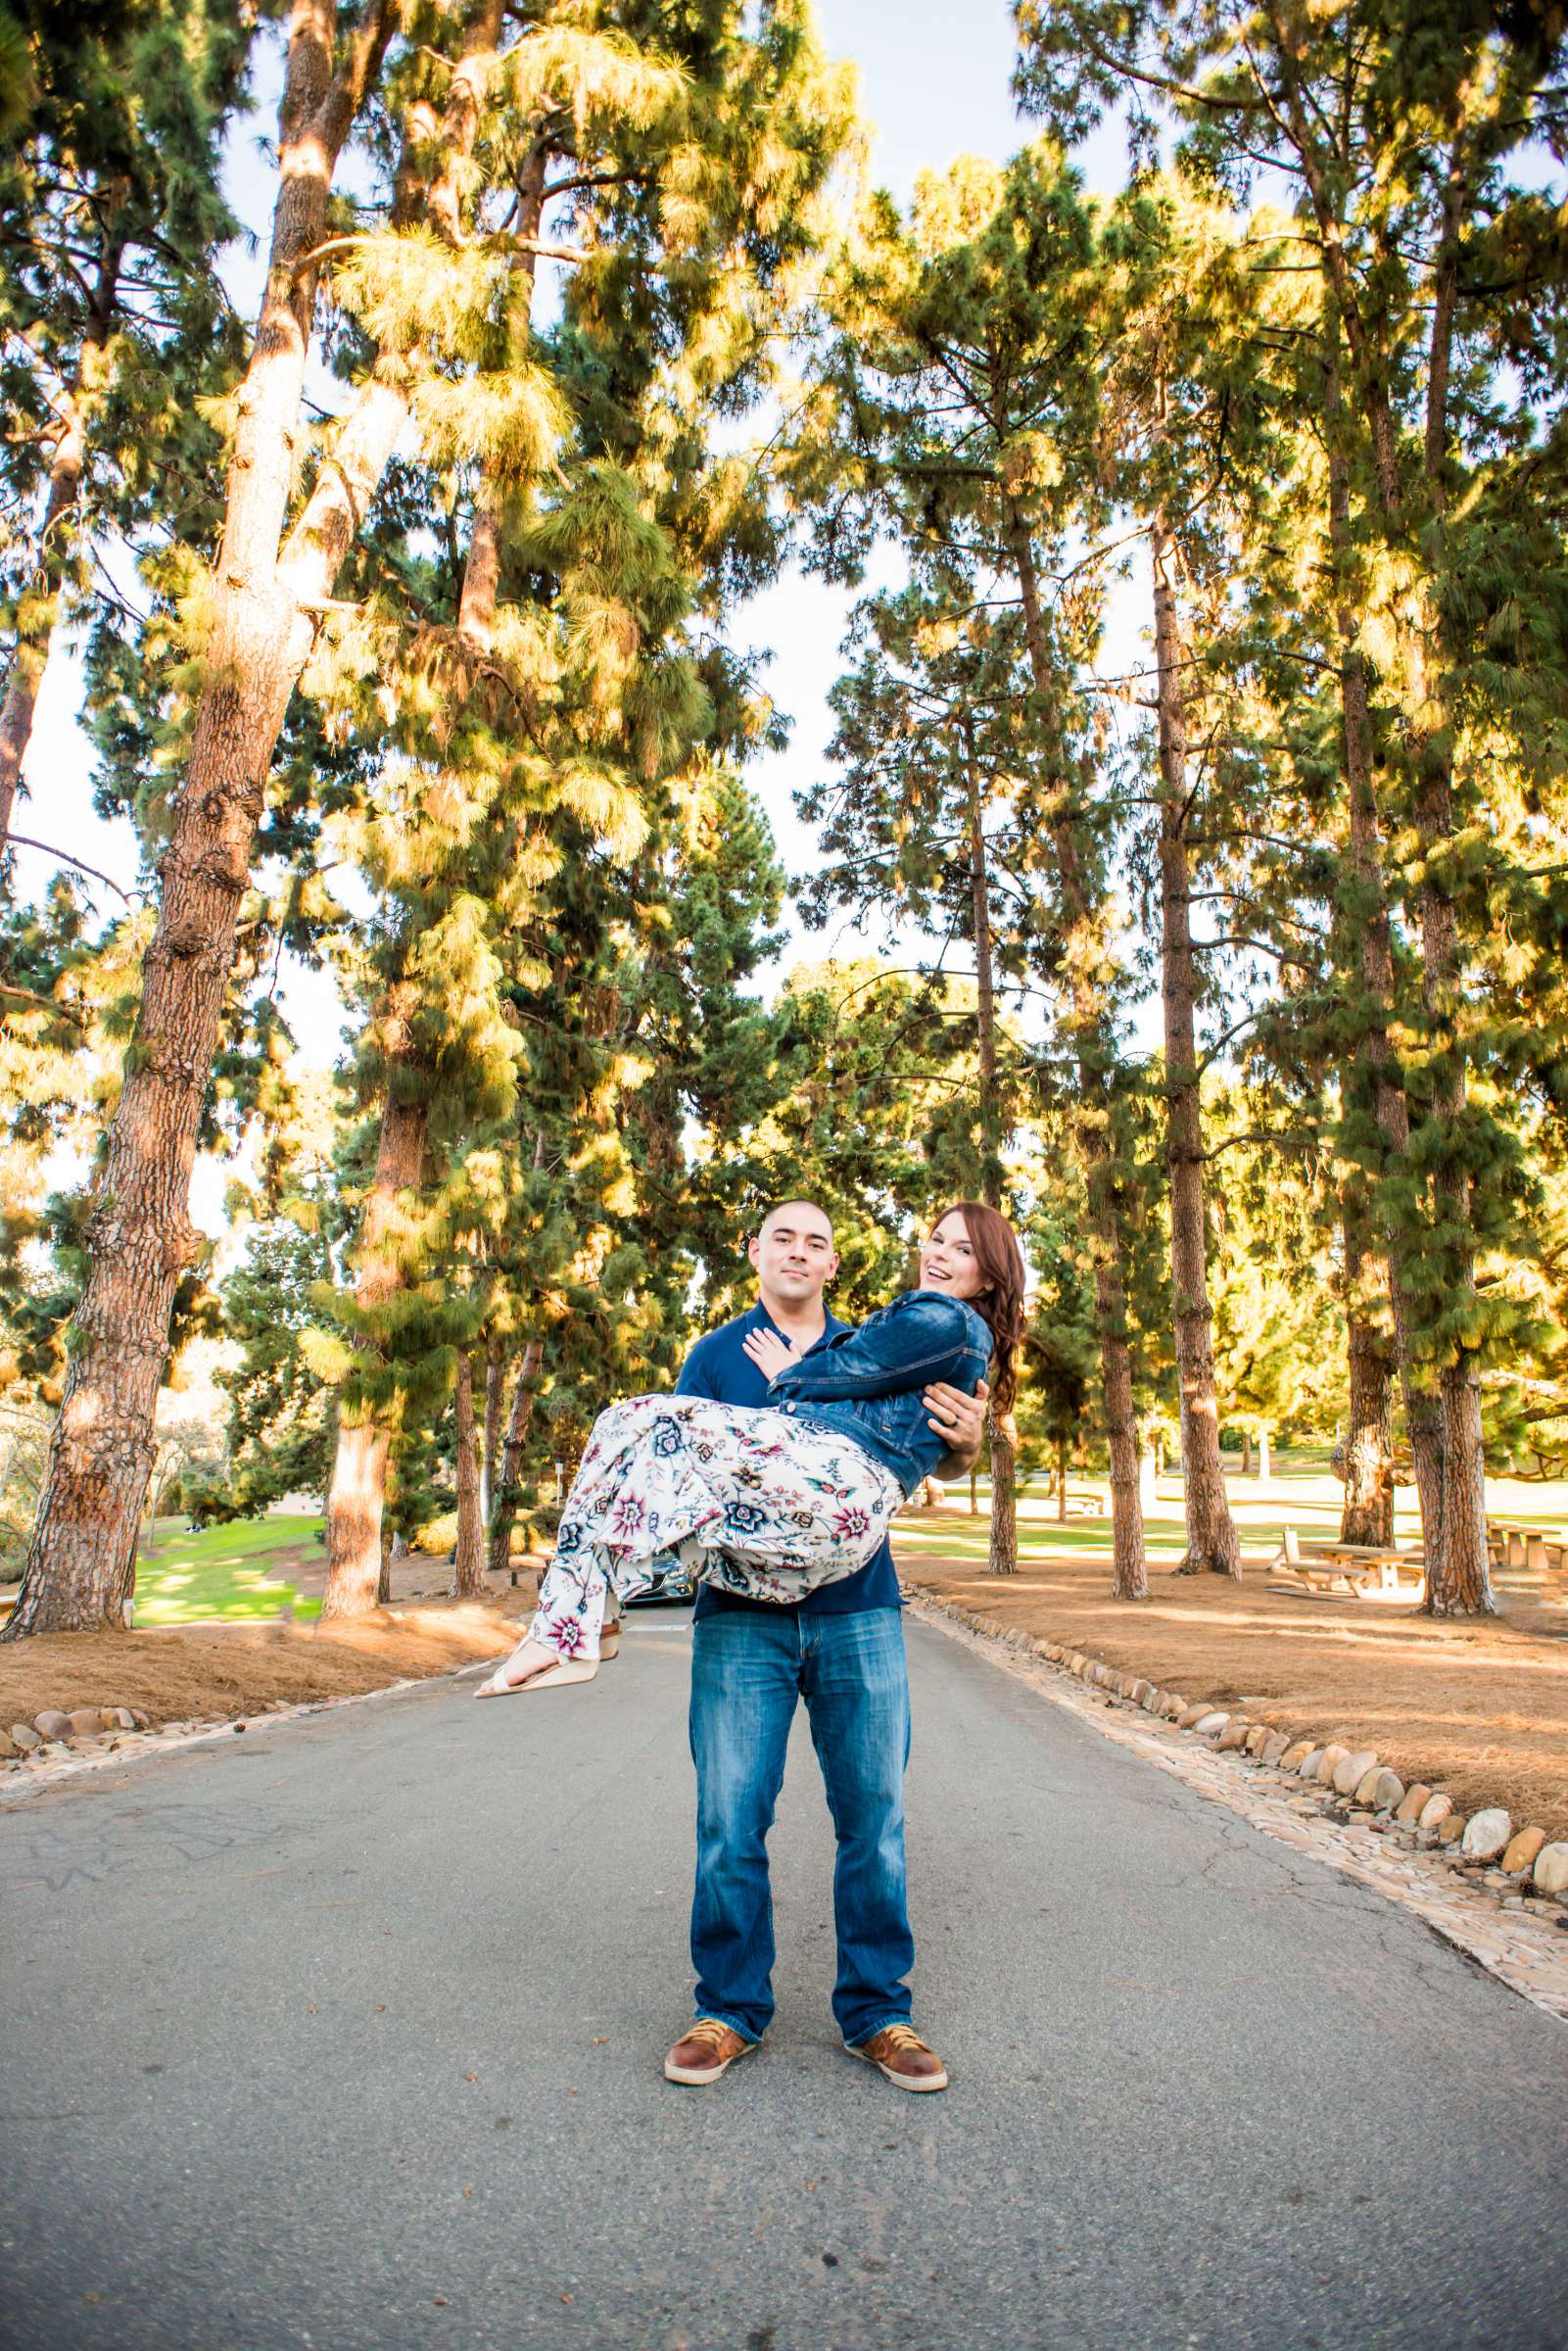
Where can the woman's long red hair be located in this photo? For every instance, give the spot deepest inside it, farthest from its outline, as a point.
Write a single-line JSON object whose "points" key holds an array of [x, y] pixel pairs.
{"points": [[999, 1299]]}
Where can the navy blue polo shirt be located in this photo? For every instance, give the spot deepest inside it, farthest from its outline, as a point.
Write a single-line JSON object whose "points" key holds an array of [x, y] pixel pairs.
{"points": [[719, 1367]]}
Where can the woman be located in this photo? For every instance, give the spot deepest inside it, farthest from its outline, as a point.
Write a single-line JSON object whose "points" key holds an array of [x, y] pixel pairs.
{"points": [[773, 1501]]}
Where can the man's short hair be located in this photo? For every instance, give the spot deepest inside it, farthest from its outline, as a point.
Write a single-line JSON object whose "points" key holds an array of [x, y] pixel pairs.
{"points": [[795, 1200]]}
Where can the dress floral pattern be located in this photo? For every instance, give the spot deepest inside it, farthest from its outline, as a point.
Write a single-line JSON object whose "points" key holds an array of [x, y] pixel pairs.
{"points": [[753, 1501]]}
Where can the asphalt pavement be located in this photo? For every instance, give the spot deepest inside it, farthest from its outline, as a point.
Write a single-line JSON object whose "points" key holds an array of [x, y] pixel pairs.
{"points": [[346, 2033]]}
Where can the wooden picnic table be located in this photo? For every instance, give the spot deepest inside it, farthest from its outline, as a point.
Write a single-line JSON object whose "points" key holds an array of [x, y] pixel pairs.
{"points": [[1322, 1561]]}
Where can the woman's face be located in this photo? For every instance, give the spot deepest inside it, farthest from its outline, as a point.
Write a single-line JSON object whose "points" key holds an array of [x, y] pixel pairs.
{"points": [[947, 1261]]}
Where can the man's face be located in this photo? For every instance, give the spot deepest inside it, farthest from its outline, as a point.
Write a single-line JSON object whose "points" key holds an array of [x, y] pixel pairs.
{"points": [[795, 1254]]}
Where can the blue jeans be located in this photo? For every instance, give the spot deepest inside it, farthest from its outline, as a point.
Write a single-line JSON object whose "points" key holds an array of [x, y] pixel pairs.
{"points": [[749, 1666]]}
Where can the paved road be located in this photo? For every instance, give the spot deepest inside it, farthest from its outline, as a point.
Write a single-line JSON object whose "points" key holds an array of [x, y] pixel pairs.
{"points": [[346, 2033]]}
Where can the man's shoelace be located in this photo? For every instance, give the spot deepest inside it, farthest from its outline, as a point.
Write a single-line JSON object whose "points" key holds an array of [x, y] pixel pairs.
{"points": [[903, 2037], [708, 2031]]}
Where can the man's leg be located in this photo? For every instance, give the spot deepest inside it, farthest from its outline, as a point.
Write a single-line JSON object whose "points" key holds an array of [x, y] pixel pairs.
{"points": [[856, 1686], [746, 1680]]}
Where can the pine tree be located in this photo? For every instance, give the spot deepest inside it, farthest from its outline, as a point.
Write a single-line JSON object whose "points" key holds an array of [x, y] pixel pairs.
{"points": [[1398, 135], [678, 165], [1179, 324], [873, 1116], [141, 1240], [280, 1422], [113, 327], [637, 1038], [1060, 1344], [922, 825], [964, 420]]}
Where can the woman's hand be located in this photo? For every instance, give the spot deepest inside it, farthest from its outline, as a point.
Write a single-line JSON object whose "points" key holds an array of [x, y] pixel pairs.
{"points": [[960, 1422], [769, 1352]]}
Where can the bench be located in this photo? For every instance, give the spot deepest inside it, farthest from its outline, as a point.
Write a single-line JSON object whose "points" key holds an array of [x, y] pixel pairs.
{"points": [[1325, 1564]]}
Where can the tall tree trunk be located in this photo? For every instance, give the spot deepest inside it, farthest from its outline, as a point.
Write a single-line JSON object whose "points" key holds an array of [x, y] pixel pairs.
{"points": [[140, 1238], [991, 1121], [358, 1491], [1391, 1109], [1062, 1480], [1001, 1426], [41, 608], [1130, 1577], [1459, 1582], [1445, 1432], [468, 1576], [1212, 1540], [1368, 1512], [495, 1407], [1368, 914], [504, 1511], [476, 629]]}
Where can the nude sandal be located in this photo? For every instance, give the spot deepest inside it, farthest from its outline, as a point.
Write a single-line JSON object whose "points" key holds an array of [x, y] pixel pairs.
{"points": [[570, 1669]]}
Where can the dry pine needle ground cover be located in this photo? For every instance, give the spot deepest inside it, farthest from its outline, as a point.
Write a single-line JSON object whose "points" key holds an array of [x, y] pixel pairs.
{"points": [[1479, 1708], [222, 1674]]}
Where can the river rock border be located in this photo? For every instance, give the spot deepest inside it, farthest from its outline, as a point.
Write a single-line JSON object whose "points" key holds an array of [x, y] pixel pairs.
{"points": [[1477, 1883]]}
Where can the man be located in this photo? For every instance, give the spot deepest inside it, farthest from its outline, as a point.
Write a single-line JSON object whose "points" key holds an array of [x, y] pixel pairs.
{"points": [[842, 1650]]}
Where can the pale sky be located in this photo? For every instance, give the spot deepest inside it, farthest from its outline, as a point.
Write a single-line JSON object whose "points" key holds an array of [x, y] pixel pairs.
{"points": [[934, 85]]}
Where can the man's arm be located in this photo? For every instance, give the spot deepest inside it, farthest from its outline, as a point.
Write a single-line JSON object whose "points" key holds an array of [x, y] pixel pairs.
{"points": [[960, 1422]]}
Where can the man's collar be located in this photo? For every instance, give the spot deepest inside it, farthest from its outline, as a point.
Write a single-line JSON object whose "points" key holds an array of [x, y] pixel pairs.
{"points": [[831, 1328]]}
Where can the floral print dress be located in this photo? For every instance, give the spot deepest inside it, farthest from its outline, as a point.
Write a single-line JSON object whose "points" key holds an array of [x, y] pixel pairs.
{"points": [[752, 1500]]}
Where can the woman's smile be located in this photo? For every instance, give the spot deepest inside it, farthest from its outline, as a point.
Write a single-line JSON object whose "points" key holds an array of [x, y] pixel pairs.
{"points": [[947, 1261]]}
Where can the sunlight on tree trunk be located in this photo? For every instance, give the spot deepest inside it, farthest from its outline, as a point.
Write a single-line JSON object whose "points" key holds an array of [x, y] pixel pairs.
{"points": [[355, 1496]]}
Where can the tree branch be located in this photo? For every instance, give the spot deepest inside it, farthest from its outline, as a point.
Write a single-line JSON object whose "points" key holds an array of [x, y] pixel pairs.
{"points": [[56, 1012], [20, 841]]}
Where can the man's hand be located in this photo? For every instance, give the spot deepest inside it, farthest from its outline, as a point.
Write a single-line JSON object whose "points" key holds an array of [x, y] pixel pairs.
{"points": [[960, 1422], [769, 1352]]}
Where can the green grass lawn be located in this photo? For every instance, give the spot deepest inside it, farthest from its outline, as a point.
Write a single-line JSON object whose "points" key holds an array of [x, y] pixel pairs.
{"points": [[971, 1538], [225, 1571], [231, 1572]]}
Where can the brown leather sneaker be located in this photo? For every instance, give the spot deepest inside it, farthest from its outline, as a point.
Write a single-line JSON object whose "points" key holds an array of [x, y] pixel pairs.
{"points": [[900, 2053], [706, 2052]]}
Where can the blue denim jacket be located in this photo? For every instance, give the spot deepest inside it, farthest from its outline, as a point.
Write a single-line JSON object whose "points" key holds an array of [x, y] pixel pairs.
{"points": [[866, 1384]]}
